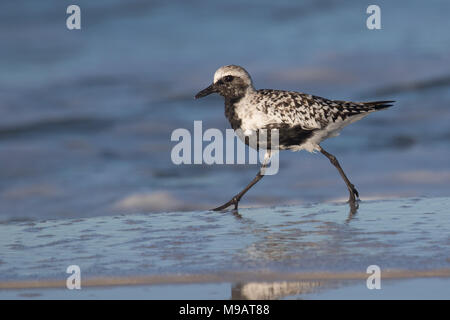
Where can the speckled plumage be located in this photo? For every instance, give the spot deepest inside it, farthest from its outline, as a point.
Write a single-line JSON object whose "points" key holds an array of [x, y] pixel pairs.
{"points": [[303, 120]]}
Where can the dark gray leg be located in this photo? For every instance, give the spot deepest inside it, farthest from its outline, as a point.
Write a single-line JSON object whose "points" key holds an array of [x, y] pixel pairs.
{"points": [[351, 188], [235, 200]]}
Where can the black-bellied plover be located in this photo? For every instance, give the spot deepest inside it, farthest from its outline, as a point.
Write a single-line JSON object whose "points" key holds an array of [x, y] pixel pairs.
{"points": [[303, 120]]}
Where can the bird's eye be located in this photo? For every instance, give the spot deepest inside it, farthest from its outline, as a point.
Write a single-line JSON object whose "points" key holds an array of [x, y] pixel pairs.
{"points": [[228, 78]]}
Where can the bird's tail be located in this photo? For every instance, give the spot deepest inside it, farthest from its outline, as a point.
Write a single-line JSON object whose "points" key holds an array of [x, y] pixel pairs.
{"points": [[357, 108]]}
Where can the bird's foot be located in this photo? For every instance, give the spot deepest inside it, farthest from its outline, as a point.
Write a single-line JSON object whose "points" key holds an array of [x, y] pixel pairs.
{"points": [[234, 201]]}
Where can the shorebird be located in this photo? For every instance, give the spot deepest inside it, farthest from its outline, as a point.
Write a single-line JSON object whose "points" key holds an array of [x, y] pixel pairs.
{"points": [[303, 120]]}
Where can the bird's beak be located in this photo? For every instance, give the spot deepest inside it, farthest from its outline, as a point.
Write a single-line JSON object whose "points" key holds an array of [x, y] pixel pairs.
{"points": [[207, 91]]}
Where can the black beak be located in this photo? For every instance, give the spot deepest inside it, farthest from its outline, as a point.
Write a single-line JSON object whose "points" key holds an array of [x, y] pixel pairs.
{"points": [[205, 92]]}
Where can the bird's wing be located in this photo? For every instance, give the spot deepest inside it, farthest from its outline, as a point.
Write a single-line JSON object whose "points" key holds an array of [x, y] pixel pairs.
{"points": [[296, 109], [312, 112]]}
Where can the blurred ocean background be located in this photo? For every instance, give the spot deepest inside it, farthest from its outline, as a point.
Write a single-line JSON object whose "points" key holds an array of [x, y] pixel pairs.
{"points": [[86, 116]]}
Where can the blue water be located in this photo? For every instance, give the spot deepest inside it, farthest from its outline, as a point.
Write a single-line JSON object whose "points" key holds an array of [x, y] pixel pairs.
{"points": [[86, 116]]}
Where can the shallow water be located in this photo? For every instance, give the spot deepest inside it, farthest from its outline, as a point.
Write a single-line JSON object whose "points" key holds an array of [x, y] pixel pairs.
{"points": [[409, 235], [87, 115], [315, 252]]}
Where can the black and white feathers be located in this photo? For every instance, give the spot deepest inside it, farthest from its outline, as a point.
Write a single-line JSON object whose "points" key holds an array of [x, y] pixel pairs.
{"points": [[303, 120]]}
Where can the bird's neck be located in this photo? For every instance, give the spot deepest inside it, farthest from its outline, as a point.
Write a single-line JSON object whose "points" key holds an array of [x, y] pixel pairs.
{"points": [[231, 103], [230, 111]]}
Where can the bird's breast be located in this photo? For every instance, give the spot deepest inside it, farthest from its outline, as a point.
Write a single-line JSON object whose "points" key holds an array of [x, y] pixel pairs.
{"points": [[247, 119], [252, 117]]}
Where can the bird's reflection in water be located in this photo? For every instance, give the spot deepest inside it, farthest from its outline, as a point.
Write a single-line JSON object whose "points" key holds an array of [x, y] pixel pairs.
{"points": [[278, 246], [354, 206], [273, 290], [297, 241], [236, 214]]}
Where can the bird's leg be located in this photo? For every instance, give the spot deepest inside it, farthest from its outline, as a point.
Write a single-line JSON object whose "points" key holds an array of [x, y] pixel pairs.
{"points": [[351, 188], [235, 200]]}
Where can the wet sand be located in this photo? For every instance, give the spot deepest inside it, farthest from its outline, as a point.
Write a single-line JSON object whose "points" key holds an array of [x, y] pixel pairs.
{"points": [[316, 251], [417, 288], [395, 285]]}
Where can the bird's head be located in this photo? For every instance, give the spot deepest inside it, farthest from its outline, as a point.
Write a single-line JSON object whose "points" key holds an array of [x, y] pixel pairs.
{"points": [[230, 82]]}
